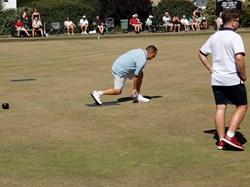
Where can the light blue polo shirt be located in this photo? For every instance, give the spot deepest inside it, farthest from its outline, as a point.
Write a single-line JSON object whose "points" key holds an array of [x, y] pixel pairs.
{"points": [[131, 62]]}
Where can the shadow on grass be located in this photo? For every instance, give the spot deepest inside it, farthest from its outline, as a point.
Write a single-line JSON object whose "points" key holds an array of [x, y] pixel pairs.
{"points": [[125, 99], [238, 135], [103, 104], [119, 100]]}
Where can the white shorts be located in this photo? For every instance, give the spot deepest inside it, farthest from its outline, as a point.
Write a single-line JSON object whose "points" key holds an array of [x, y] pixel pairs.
{"points": [[20, 29], [119, 81]]}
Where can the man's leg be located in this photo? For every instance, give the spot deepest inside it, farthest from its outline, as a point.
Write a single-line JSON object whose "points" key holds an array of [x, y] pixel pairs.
{"points": [[219, 120], [237, 117], [33, 32], [235, 121], [139, 82]]}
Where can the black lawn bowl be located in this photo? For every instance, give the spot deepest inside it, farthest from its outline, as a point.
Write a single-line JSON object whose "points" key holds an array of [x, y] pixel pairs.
{"points": [[5, 106]]}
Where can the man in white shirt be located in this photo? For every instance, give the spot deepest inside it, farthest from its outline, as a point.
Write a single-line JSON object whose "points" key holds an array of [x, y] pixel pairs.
{"points": [[37, 26], [228, 75], [84, 24]]}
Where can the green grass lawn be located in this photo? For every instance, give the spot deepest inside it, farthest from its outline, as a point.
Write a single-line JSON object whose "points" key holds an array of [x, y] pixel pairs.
{"points": [[53, 135]]}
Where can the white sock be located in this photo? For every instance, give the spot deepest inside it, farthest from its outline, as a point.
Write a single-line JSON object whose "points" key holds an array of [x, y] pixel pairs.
{"points": [[230, 134], [100, 92], [220, 139]]}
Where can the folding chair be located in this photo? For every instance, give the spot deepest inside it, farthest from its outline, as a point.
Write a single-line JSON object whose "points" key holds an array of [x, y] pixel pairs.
{"points": [[110, 25], [56, 28]]}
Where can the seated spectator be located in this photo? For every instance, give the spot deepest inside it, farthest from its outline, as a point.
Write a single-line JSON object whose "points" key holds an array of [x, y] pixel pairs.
{"points": [[37, 26], [84, 25], [135, 24], [204, 23], [36, 14], [69, 25], [20, 27], [149, 23], [219, 22], [185, 23], [177, 23], [167, 21], [139, 22], [99, 25], [194, 23], [25, 17]]}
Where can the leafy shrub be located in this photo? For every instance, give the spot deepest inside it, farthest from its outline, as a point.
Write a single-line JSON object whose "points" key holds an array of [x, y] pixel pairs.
{"points": [[211, 12], [180, 7]]}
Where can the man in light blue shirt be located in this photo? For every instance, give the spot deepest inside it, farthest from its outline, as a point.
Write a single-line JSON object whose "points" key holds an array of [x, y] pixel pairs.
{"points": [[129, 65]]}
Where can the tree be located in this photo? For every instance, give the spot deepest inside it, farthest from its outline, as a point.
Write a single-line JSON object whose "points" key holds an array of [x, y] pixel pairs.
{"points": [[180, 7], [210, 12], [124, 9], [1, 5]]}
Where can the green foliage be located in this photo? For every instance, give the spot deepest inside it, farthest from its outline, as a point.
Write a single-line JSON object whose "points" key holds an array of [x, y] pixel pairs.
{"points": [[179, 7], [245, 16], [120, 9], [1, 5], [210, 12], [8, 19], [58, 11]]}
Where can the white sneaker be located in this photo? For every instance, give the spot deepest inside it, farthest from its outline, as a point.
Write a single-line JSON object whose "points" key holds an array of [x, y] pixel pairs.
{"points": [[96, 97], [141, 99], [82, 33], [85, 32]]}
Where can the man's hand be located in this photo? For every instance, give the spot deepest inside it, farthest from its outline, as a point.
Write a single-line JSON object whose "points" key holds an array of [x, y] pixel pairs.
{"points": [[134, 93]]}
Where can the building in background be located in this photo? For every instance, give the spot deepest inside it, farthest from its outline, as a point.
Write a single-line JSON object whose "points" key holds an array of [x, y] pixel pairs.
{"points": [[9, 4]]}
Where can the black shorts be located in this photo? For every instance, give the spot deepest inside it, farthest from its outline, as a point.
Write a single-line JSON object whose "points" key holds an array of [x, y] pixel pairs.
{"points": [[236, 95]]}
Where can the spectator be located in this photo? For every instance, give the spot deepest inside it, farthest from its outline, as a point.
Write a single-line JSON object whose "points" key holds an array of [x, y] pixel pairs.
{"points": [[185, 23], [167, 21], [194, 24], [177, 23], [149, 24], [139, 22], [20, 27], [197, 14], [25, 17], [37, 26], [204, 23], [135, 24], [84, 25], [69, 25], [219, 22], [99, 25], [36, 14]]}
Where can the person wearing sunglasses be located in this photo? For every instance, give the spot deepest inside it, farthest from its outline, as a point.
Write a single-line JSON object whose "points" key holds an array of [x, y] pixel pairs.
{"points": [[228, 76]]}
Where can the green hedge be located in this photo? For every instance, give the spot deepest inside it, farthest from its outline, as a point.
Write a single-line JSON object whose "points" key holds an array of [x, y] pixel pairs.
{"points": [[50, 11], [180, 7]]}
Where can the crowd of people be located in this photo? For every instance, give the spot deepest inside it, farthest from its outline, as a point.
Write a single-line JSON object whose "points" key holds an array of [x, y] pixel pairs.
{"points": [[195, 22]]}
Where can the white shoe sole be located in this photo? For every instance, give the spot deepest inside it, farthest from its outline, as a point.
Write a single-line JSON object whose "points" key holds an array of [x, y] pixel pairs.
{"points": [[232, 144], [96, 100]]}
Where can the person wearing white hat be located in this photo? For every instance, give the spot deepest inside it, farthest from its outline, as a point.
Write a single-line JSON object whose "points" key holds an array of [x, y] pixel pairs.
{"points": [[149, 23], [84, 24], [167, 22], [185, 23], [135, 24]]}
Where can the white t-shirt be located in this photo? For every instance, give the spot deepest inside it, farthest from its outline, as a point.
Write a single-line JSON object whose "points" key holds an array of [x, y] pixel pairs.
{"points": [[184, 21], [224, 45], [84, 22], [68, 23], [166, 20]]}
